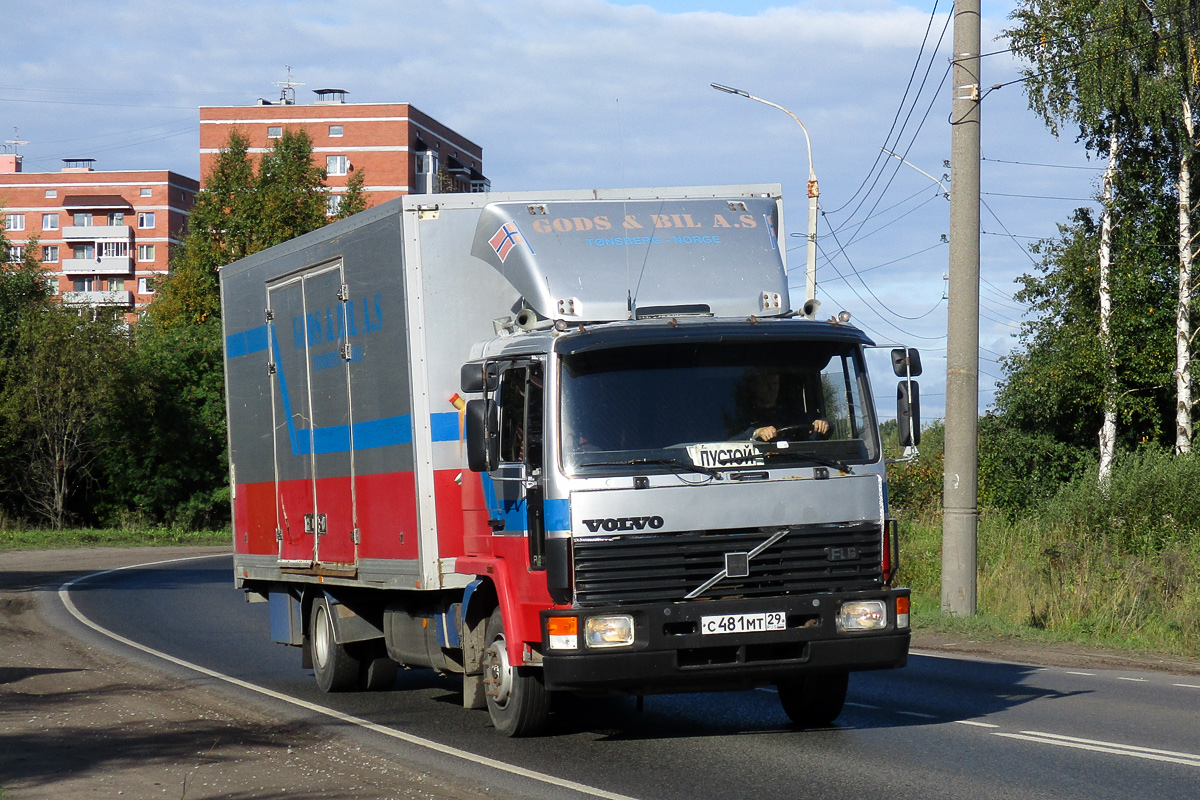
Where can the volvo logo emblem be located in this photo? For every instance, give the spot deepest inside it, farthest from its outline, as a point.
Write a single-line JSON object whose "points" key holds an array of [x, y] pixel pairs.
{"points": [[624, 524]]}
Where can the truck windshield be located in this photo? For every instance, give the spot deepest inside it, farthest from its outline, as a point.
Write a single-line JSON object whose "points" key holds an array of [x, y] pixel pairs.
{"points": [[724, 405]]}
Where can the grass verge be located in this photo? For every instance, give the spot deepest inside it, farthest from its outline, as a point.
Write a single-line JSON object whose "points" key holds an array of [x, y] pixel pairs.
{"points": [[39, 539], [1039, 581]]}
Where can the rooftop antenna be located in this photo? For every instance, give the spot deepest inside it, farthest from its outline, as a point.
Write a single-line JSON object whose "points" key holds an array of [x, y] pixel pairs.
{"points": [[287, 89], [12, 144]]}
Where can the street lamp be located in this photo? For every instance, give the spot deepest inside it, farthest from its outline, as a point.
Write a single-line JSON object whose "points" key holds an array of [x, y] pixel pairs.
{"points": [[810, 283]]}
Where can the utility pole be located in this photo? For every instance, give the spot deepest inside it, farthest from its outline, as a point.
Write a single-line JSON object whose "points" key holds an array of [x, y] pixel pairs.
{"points": [[960, 491]]}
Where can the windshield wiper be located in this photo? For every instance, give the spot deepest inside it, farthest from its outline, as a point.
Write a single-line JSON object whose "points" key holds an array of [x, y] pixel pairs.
{"points": [[840, 466], [658, 462]]}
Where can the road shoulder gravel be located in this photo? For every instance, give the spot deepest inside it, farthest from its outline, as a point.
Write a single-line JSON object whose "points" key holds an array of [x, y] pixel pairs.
{"points": [[79, 720]]}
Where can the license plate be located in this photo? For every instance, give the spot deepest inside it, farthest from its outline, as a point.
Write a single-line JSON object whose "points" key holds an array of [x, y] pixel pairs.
{"points": [[744, 623]]}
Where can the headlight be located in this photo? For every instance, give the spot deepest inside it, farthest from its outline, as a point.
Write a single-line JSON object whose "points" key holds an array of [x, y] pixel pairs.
{"points": [[862, 615], [610, 631]]}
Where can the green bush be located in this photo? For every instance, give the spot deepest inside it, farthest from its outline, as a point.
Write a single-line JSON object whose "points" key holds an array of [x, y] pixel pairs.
{"points": [[1018, 470]]}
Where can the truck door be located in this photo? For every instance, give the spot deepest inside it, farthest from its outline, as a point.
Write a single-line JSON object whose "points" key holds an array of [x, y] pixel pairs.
{"points": [[518, 507], [313, 427]]}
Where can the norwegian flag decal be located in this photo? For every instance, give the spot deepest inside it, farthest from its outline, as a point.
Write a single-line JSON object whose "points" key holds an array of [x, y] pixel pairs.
{"points": [[505, 239]]}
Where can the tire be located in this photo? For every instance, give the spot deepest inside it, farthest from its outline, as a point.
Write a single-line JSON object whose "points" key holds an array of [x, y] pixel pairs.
{"points": [[517, 699], [335, 668], [814, 701]]}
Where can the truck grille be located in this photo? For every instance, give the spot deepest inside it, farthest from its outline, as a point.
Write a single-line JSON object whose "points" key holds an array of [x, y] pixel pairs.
{"points": [[641, 568]]}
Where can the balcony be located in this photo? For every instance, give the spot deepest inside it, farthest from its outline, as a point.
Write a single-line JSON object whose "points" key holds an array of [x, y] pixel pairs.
{"points": [[106, 265], [97, 299], [97, 233]]}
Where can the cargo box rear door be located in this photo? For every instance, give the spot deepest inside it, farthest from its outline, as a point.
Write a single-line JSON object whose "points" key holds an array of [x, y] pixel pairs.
{"points": [[314, 460]]}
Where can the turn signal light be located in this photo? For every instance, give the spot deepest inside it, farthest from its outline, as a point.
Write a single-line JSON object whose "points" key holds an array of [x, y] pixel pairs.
{"points": [[563, 633]]}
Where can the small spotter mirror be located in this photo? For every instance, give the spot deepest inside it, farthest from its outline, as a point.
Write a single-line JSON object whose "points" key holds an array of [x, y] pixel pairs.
{"points": [[906, 362], [477, 376]]}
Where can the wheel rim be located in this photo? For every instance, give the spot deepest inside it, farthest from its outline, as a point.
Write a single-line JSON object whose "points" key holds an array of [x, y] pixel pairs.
{"points": [[497, 672], [321, 638]]}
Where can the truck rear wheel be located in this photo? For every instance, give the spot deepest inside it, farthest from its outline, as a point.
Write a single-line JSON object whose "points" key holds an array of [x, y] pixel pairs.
{"points": [[517, 699], [814, 701], [335, 668]]}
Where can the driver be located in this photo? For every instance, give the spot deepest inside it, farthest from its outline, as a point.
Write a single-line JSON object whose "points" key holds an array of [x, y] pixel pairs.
{"points": [[765, 405]]}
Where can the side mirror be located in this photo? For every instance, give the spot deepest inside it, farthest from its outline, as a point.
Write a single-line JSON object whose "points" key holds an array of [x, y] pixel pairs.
{"points": [[906, 362], [908, 413], [483, 445], [478, 376]]}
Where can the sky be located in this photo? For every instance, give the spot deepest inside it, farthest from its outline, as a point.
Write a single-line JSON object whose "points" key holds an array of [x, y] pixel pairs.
{"points": [[600, 94]]}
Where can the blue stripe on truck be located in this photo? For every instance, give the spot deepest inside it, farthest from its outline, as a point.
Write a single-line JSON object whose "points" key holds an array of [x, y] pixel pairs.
{"points": [[367, 435]]}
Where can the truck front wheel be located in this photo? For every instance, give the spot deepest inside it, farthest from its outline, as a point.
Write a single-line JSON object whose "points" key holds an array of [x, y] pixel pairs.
{"points": [[814, 701], [335, 668], [517, 699]]}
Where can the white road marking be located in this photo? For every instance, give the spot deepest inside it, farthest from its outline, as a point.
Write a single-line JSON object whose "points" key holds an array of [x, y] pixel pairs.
{"points": [[1135, 680], [1086, 674], [1187, 685], [976, 723], [916, 714], [1187, 759], [64, 595], [863, 705]]}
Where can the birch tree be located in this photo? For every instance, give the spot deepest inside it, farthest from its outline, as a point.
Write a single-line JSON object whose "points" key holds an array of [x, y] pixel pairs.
{"points": [[1124, 72]]}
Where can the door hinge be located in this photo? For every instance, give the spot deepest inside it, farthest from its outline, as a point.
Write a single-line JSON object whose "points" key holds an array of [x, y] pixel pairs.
{"points": [[270, 315], [270, 367], [354, 537], [347, 351], [343, 293], [279, 534]]}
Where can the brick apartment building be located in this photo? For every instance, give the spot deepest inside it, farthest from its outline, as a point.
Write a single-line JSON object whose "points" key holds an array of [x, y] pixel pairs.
{"points": [[401, 149], [105, 237]]}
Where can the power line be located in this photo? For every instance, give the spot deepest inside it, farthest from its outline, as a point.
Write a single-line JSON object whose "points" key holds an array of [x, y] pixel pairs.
{"points": [[1035, 164], [903, 99]]}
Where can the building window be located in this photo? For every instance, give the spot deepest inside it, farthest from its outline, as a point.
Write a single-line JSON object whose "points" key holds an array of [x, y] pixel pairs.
{"points": [[52, 285], [145, 285], [83, 219], [145, 252], [83, 284], [50, 254], [114, 249], [146, 191], [16, 253], [49, 222], [335, 130], [116, 284], [333, 204], [52, 193], [116, 218], [145, 219], [274, 131], [14, 222], [83, 251], [336, 165]]}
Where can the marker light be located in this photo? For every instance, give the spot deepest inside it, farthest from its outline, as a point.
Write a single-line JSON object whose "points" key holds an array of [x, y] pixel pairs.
{"points": [[862, 615], [563, 633], [901, 612], [610, 631]]}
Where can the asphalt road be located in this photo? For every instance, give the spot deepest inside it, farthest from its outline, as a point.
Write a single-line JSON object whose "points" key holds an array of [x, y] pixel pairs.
{"points": [[942, 727]]}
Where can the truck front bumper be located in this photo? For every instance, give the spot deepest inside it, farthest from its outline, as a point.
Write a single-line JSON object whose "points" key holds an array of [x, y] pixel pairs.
{"points": [[671, 654]]}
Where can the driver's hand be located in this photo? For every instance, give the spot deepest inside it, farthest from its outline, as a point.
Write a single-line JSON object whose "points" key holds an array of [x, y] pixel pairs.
{"points": [[766, 433], [820, 426]]}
